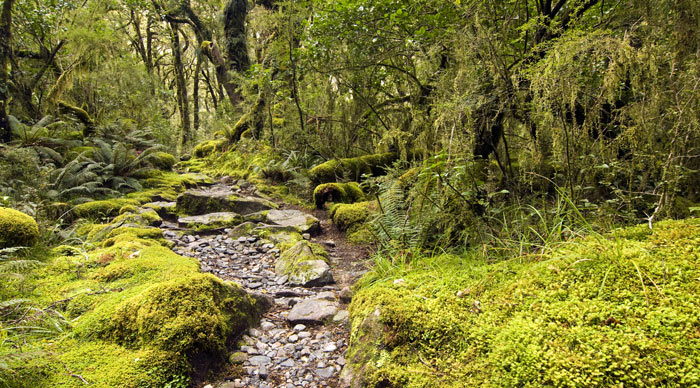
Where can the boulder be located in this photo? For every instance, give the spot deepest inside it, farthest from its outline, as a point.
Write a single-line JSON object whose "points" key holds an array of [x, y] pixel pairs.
{"points": [[17, 229], [220, 199], [305, 265], [163, 208], [312, 311], [210, 221], [299, 221]]}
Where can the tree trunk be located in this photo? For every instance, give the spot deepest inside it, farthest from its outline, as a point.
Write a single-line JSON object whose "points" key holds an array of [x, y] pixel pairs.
{"points": [[180, 84], [5, 55], [195, 99], [234, 29]]}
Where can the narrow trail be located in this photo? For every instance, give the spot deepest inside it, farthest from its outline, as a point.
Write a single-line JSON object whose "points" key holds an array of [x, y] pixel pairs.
{"points": [[291, 347]]}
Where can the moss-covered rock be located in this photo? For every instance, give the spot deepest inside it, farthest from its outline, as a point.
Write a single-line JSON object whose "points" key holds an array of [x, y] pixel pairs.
{"points": [[104, 208], [207, 148], [337, 193], [305, 264], [163, 161], [189, 315], [141, 315], [350, 217], [295, 220], [352, 168], [145, 217], [219, 199], [616, 310], [17, 229], [210, 221]]}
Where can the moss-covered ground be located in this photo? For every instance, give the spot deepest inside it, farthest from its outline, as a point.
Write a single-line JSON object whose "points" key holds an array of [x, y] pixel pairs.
{"points": [[131, 313], [619, 309]]}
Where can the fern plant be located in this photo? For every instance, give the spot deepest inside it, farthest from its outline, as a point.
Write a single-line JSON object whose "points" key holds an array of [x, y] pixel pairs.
{"points": [[110, 170]]}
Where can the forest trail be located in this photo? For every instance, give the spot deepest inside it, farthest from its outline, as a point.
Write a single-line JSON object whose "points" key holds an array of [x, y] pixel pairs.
{"points": [[291, 347]]}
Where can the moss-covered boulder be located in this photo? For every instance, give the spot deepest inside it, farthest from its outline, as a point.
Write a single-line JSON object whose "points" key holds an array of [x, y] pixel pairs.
{"points": [[604, 311], [103, 208], [211, 221], [349, 217], [209, 147], [164, 209], [337, 193], [352, 168], [305, 264], [163, 161], [188, 315], [219, 199], [145, 217], [17, 229], [296, 220]]}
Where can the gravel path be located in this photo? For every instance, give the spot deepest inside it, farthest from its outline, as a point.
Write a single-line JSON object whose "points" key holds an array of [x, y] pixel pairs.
{"points": [[301, 341]]}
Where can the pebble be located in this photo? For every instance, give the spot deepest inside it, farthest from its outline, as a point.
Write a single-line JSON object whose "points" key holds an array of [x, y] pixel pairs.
{"points": [[290, 355]]}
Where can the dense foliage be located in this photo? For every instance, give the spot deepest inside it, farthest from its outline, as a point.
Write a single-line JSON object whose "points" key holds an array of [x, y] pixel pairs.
{"points": [[423, 127]]}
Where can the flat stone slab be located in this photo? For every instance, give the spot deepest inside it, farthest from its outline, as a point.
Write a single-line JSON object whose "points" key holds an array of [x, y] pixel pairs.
{"points": [[220, 199], [296, 219], [210, 221], [312, 311]]}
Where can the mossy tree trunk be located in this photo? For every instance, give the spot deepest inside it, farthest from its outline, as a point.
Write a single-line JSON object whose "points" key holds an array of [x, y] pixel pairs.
{"points": [[80, 114], [5, 54], [180, 84]]}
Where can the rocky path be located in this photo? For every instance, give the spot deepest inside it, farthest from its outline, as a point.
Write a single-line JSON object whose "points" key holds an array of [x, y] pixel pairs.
{"points": [[301, 341]]}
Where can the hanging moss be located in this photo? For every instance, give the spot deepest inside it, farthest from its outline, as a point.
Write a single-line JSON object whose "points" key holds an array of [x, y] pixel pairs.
{"points": [[17, 229]]}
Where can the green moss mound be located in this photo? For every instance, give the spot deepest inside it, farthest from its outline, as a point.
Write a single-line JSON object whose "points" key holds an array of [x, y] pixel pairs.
{"points": [[140, 314], [352, 168], [103, 208], [337, 193], [349, 217], [616, 310], [188, 315], [163, 161], [207, 148], [17, 229]]}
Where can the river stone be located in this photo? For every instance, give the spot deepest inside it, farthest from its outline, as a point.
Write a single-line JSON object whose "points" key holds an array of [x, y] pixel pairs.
{"points": [[164, 209], [298, 220], [312, 311], [220, 199], [312, 273], [259, 360], [210, 221], [304, 266]]}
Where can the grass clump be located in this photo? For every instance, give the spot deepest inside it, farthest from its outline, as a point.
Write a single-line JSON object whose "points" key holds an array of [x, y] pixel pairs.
{"points": [[337, 193], [617, 310], [17, 228]]}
